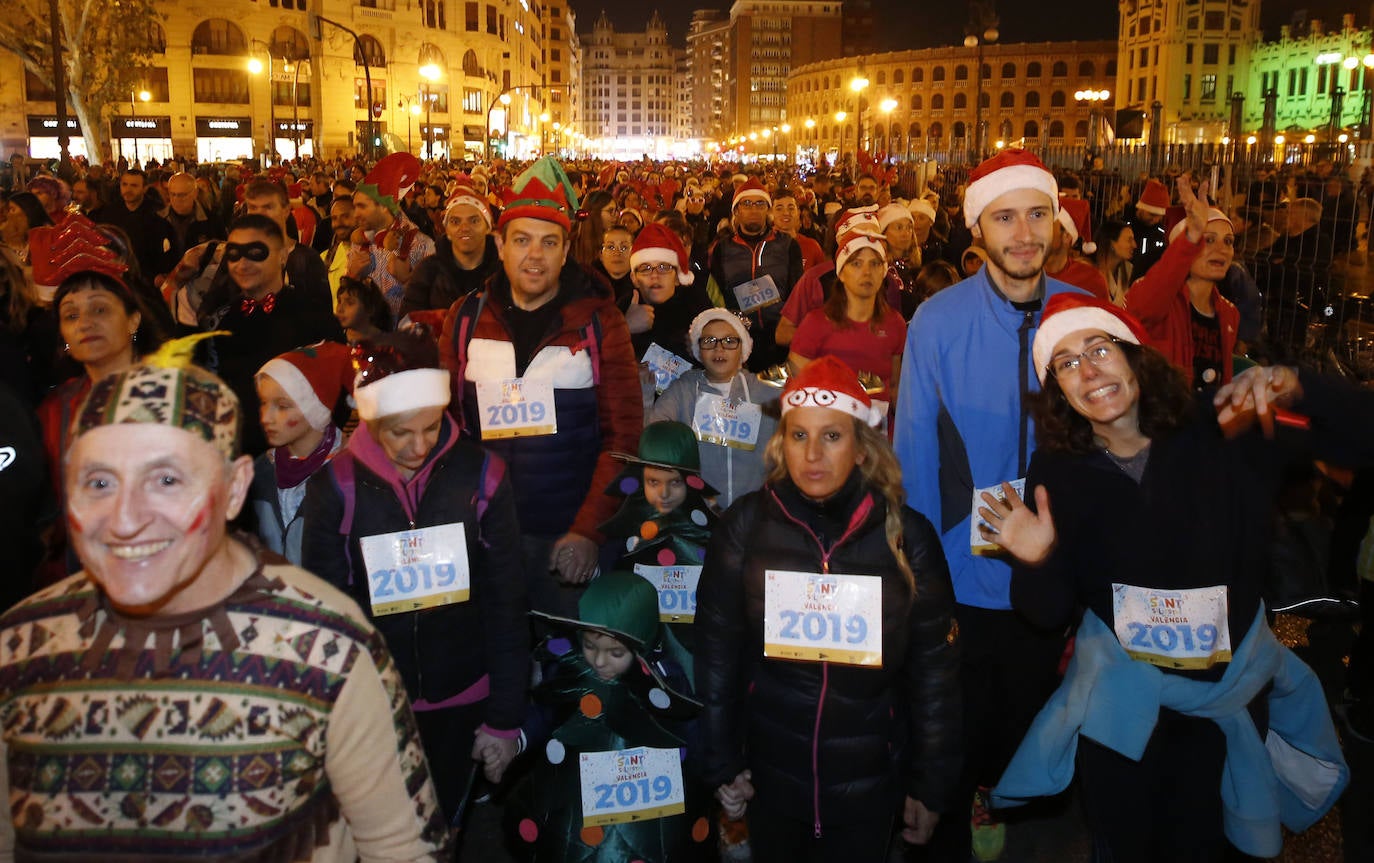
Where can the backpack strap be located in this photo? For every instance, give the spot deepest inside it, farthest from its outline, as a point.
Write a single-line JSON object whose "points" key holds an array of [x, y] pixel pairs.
{"points": [[489, 479], [342, 465]]}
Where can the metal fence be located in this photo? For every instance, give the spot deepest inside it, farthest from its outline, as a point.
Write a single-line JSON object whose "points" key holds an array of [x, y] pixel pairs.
{"points": [[1301, 215]]}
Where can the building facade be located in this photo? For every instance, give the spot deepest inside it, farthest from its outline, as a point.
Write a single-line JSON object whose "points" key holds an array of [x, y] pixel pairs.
{"points": [[563, 72], [915, 103], [435, 68], [767, 39], [707, 36], [1316, 82], [629, 90]]}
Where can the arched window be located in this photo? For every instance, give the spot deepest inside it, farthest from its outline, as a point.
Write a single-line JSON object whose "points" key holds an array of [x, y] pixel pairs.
{"points": [[1058, 99], [937, 74], [290, 43], [1080, 129], [1111, 68], [937, 102], [960, 101], [1030, 130], [987, 72], [430, 54], [471, 67], [936, 131], [916, 102], [1059, 70], [882, 78], [1008, 99], [961, 72], [218, 36], [984, 99], [1086, 69], [1057, 130], [369, 52], [1032, 99], [896, 143], [1032, 70], [1008, 70], [1004, 130], [918, 75], [154, 38], [959, 131], [898, 77], [914, 131]]}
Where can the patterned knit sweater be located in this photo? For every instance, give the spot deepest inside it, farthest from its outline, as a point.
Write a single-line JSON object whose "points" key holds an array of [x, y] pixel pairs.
{"points": [[272, 727]]}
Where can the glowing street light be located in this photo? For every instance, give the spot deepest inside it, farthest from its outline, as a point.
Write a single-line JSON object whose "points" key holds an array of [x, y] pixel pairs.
{"points": [[431, 73]]}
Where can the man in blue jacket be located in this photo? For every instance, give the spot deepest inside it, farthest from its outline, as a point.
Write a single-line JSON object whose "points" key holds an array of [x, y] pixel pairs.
{"points": [[963, 424]]}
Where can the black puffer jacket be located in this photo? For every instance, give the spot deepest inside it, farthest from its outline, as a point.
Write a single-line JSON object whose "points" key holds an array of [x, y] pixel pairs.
{"points": [[441, 651], [837, 741]]}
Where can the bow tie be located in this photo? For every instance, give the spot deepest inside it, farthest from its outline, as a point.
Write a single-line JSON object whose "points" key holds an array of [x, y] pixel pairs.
{"points": [[249, 305]]}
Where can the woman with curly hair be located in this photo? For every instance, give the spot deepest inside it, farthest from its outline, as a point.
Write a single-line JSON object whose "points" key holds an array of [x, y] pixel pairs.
{"points": [[597, 213], [1161, 503], [826, 653]]}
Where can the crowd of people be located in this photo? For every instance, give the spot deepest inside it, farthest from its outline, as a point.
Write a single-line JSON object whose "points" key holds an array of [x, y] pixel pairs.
{"points": [[688, 511]]}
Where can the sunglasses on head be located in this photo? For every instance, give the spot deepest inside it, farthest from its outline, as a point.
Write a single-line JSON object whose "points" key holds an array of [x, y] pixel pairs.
{"points": [[255, 251]]}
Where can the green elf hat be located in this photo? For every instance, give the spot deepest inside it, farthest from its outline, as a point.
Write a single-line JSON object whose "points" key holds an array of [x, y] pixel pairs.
{"points": [[665, 444], [390, 179], [544, 192]]}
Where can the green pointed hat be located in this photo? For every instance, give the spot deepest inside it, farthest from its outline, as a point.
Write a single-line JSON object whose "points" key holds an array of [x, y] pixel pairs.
{"points": [[544, 192]]}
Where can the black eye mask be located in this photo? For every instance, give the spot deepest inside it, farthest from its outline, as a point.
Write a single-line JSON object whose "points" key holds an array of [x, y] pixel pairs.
{"points": [[254, 251]]}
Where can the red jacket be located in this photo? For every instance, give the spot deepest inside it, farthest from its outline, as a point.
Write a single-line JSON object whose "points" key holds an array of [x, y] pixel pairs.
{"points": [[1160, 300]]}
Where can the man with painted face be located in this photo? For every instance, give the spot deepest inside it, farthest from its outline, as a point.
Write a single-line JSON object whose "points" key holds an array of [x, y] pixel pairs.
{"points": [[541, 366], [753, 268], [266, 705], [963, 424], [263, 316]]}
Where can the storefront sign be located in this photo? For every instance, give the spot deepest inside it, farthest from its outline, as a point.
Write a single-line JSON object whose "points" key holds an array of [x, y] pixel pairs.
{"points": [[141, 127], [224, 127], [286, 128], [46, 127]]}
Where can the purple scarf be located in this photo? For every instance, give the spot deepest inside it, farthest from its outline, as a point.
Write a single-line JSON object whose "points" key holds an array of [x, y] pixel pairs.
{"points": [[292, 471]]}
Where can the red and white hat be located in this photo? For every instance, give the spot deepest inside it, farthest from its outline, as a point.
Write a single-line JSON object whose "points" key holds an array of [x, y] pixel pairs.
{"points": [[1009, 170], [1154, 198], [398, 373], [390, 179], [829, 383], [863, 220], [466, 195], [656, 244], [850, 244], [1070, 312], [893, 212], [740, 324], [314, 377], [1076, 217], [751, 189], [1213, 215], [922, 206]]}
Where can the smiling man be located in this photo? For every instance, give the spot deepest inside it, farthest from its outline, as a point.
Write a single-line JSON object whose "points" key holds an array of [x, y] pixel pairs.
{"points": [[219, 704], [545, 376], [963, 424]]}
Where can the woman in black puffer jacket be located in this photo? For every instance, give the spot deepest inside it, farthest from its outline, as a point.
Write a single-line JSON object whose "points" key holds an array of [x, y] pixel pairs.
{"points": [[824, 752]]}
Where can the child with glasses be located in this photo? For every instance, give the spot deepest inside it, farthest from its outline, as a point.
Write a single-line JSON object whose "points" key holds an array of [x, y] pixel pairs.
{"points": [[723, 404], [664, 299]]}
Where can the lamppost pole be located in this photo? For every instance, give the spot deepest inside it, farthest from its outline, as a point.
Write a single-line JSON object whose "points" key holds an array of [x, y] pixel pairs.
{"points": [[858, 84], [133, 115], [296, 111], [369, 147], [431, 73], [981, 30], [255, 67]]}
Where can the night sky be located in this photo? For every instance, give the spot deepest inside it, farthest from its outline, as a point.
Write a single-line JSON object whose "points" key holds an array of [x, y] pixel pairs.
{"points": [[922, 23]]}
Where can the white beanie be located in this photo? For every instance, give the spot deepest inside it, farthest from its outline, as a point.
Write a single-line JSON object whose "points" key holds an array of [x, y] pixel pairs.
{"points": [[746, 343]]}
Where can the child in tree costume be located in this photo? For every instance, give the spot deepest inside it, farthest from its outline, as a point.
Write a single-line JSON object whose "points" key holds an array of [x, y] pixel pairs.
{"points": [[617, 698]]}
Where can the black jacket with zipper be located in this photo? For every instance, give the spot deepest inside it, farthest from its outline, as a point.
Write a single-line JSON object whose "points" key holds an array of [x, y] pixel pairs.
{"points": [[839, 743]]}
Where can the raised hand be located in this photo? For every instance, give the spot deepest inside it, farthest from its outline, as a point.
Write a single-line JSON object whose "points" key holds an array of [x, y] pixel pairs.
{"points": [[640, 316], [1252, 394], [1195, 205], [1027, 536]]}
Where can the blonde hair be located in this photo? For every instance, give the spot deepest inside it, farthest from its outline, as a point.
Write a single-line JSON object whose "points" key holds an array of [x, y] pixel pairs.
{"points": [[881, 472]]}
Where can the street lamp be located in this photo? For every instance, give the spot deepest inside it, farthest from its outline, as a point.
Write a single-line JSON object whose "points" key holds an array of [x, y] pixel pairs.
{"points": [[887, 106], [411, 105], [981, 30], [295, 69], [785, 129], [543, 132], [858, 84], [143, 96], [1094, 99], [810, 124], [431, 73], [255, 67]]}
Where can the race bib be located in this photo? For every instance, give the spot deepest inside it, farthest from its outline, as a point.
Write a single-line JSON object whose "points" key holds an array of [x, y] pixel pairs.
{"points": [[757, 293], [666, 365], [975, 539], [413, 569], [516, 407], [677, 590], [630, 785], [823, 617], [1173, 628], [716, 420]]}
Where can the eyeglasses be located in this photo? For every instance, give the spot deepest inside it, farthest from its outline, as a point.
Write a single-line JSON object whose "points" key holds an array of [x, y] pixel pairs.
{"points": [[696, 198], [1098, 354], [255, 251], [730, 343], [660, 268], [615, 247], [753, 204]]}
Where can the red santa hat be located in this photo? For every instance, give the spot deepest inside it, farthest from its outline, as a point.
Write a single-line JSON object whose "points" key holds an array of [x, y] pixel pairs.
{"points": [[1154, 198], [656, 244], [1076, 218], [314, 377], [1070, 312], [390, 179], [751, 189], [851, 243], [1009, 170], [829, 383], [398, 373], [859, 219], [468, 196]]}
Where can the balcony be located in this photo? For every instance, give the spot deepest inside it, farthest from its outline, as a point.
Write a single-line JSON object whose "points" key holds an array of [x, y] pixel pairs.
{"points": [[370, 14]]}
